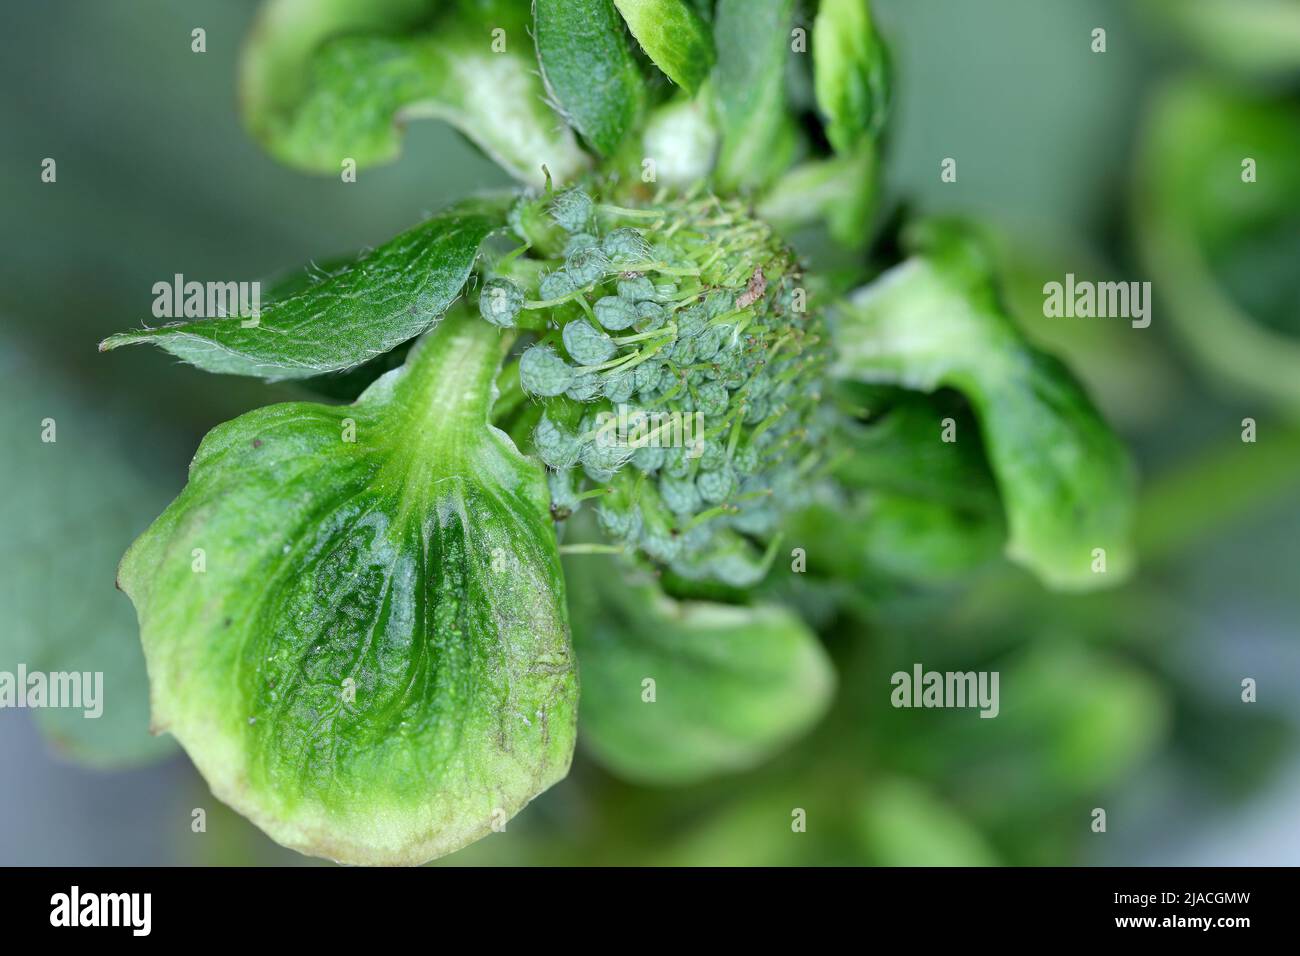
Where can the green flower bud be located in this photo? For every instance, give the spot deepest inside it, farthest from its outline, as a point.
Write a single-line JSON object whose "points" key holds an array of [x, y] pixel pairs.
{"points": [[500, 301], [555, 446], [579, 241], [619, 385], [650, 316], [636, 288], [585, 387], [571, 210], [586, 265], [585, 344], [542, 372], [555, 285], [715, 487], [712, 398], [615, 313], [679, 494], [626, 246]]}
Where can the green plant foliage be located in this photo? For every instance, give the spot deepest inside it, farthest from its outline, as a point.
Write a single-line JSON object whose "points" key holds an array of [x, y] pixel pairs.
{"points": [[728, 687], [384, 298], [1066, 483], [373, 664], [1222, 249], [351, 90], [355, 617], [759, 139], [851, 73], [589, 69], [674, 36]]}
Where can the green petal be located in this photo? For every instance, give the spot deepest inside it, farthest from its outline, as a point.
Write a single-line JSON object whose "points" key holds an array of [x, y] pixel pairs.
{"points": [[732, 685], [348, 316], [759, 139], [674, 36], [348, 95], [1066, 482], [589, 68], [373, 664]]}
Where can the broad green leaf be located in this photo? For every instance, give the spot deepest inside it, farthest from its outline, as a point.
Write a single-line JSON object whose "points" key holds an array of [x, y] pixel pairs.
{"points": [[900, 823], [365, 88], [674, 36], [589, 69], [731, 685], [71, 504], [759, 139], [1065, 479], [354, 616], [850, 73], [349, 316]]}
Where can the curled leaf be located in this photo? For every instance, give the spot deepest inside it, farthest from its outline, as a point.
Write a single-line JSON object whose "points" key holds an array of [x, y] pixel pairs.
{"points": [[674, 36], [728, 685], [354, 616], [348, 94], [1065, 479], [589, 69], [349, 316]]}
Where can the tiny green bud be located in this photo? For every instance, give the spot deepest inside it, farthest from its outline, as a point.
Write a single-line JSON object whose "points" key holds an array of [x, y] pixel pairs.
{"points": [[587, 345], [586, 265], [626, 246], [500, 301], [715, 486], [555, 446], [636, 288], [542, 372], [555, 285], [571, 210], [679, 494], [615, 313], [585, 387]]}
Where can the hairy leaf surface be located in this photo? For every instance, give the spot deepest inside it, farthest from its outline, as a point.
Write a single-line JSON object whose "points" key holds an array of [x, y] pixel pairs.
{"points": [[589, 68], [373, 662], [674, 36], [354, 314]]}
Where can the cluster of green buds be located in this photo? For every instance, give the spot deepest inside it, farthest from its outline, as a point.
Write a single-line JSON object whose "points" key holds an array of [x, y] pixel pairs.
{"points": [[674, 368]]}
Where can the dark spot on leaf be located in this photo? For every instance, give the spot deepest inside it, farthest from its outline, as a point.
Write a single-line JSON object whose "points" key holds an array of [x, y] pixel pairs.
{"points": [[257, 443]]}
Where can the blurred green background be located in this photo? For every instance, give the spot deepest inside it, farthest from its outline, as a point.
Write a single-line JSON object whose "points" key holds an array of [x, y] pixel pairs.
{"points": [[1128, 699]]}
